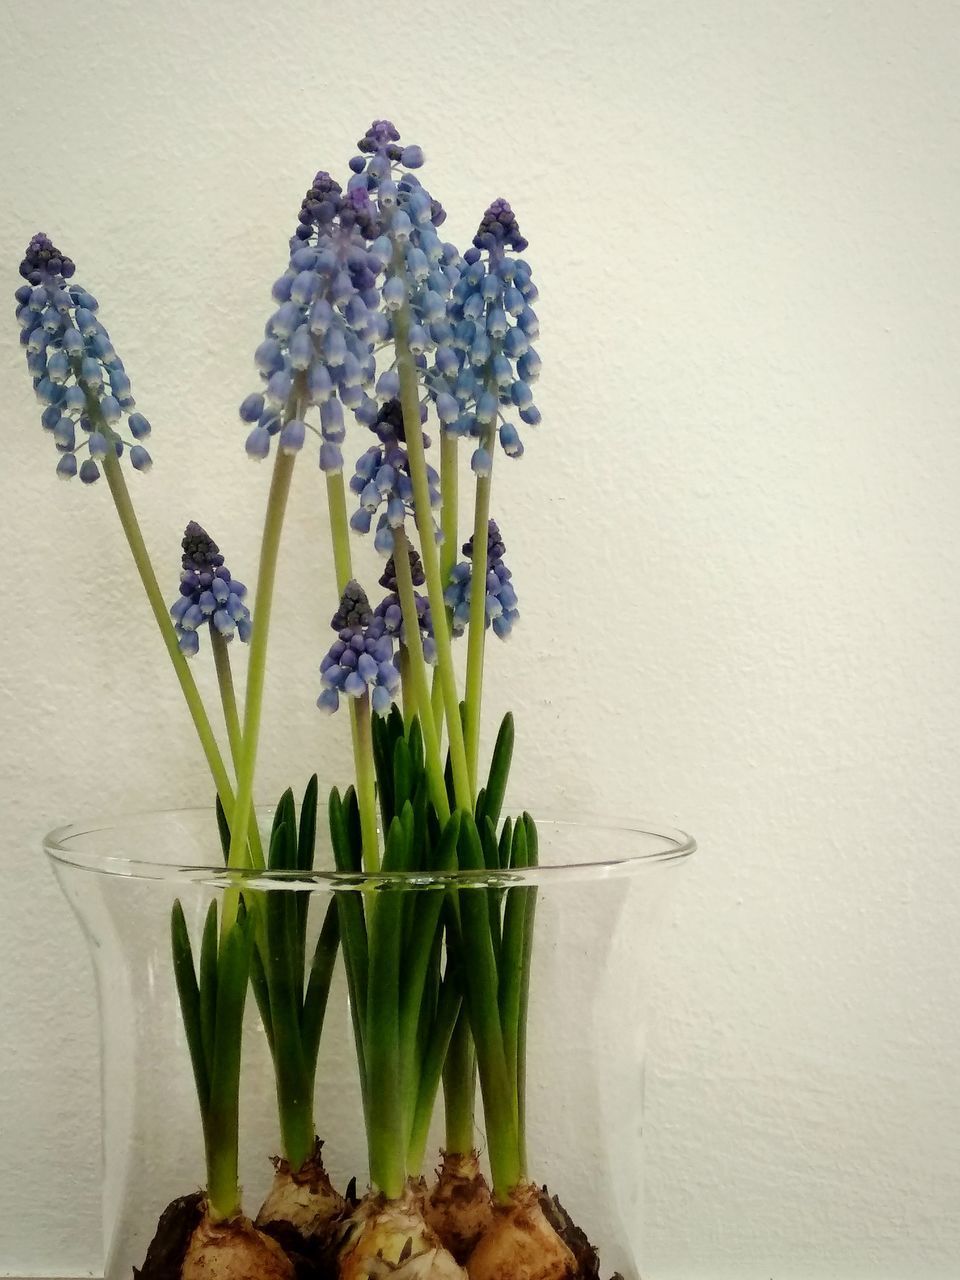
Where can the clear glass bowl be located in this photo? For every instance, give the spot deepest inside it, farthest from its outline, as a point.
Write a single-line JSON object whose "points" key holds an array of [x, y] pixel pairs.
{"points": [[601, 892]]}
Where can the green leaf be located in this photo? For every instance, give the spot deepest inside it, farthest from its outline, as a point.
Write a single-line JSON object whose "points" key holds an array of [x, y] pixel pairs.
{"points": [[383, 766], [481, 983], [491, 849], [491, 857], [415, 743], [261, 992], [425, 922], [518, 851], [283, 847], [432, 1060], [351, 812], [233, 970], [533, 860], [307, 835], [189, 996], [402, 775], [208, 984], [353, 927], [511, 965], [533, 841], [386, 1136], [224, 829], [506, 842], [499, 770], [396, 851], [318, 985]]}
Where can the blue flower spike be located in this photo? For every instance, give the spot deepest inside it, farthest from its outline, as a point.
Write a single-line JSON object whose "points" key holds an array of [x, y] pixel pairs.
{"points": [[208, 594], [481, 375], [318, 347], [382, 481], [360, 661], [391, 611], [501, 603], [77, 375]]}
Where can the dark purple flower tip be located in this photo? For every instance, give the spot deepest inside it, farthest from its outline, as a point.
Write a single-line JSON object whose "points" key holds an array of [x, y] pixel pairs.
{"points": [[495, 545], [358, 210], [320, 205], [43, 260], [388, 578], [389, 421], [354, 612], [499, 229], [200, 552], [379, 137]]}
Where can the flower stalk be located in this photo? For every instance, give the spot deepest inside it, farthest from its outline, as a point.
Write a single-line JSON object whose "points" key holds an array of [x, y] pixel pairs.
{"points": [[410, 400], [188, 686], [256, 670]]}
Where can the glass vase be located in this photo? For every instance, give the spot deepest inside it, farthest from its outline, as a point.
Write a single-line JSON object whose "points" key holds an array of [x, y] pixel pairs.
{"points": [[599, 895]]}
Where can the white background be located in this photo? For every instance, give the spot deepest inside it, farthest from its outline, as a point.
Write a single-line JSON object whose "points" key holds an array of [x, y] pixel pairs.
{"points": [[735, 537]]}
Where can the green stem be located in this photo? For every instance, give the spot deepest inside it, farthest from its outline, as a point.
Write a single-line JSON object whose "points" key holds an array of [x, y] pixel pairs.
{"points": [[436, 699], [231, 718], [406, 686], [366, 782], [256, 671], [448, 1010], [418, 672], [228, 694], [359, 734], [131, 528], [339, 529], [410, 401], [460, 1089], [478, 613], [385, 1128], [449, 488], [222, 1117], [481, 985]]}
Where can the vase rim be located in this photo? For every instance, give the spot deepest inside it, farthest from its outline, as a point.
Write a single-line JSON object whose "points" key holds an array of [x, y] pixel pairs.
{"points": [[641, 844]]}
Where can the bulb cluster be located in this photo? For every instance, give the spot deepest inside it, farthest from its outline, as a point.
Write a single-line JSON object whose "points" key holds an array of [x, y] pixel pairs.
{"points": [[208, 594], [77, 375]]}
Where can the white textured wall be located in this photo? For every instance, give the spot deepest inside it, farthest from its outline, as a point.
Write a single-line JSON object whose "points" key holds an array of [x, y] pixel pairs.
{"points": [[745, 220]]}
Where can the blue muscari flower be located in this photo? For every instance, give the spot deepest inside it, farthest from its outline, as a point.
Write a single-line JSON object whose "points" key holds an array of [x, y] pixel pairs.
{"points": [[207, 593], [407, 218], [391, 611], [77, 375], [360, 660], [319, 342], [501, 602], [488, 364], [382, 480]]}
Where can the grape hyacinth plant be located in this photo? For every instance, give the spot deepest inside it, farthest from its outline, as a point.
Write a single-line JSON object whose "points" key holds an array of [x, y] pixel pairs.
{"points": [[400, 367]]}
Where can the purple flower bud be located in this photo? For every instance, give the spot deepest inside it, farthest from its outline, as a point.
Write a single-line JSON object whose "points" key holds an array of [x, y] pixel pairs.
{"points": [[292, 436], [481, 462], [510, 441], [258, 443], [331, 458], [329, 701], [250, 409]]}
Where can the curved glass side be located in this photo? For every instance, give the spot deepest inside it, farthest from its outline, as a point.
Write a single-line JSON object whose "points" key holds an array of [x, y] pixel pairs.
{"points": [[600, 894]]}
